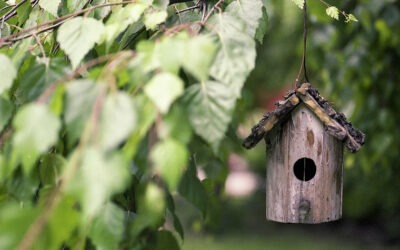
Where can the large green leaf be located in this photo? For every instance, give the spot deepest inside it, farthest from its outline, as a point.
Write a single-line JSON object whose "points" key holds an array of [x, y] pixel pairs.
{"points": [[236, 55], [6, 110], [102, 177], [249, 11], [50, 6], [163, 89], [38, 77], [210, 106], [77, 36], [108, 228], [81, 95], [117, 121], [7, 72], [170, 158], [36, 129]]}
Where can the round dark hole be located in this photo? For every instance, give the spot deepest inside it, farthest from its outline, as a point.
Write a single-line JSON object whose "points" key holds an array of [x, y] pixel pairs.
{"points": [[304, 169]]}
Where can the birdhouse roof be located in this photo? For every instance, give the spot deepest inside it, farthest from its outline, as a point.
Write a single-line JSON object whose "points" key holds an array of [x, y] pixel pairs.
{"points": [[335, 123]]}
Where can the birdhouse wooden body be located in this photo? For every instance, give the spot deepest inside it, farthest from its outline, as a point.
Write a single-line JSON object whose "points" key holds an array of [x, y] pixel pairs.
{"points": [[304, 139]]}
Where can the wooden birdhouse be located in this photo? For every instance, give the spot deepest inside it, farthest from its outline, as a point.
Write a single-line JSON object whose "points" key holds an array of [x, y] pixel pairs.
{"points": [[304, 138]]}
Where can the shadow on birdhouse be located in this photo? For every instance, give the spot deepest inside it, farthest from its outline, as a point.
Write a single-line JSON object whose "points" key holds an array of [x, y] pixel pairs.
{"points": [[304, 139]]}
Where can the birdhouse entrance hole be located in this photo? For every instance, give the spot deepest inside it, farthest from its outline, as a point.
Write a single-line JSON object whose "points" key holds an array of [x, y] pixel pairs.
{"points": [[304, 169]]}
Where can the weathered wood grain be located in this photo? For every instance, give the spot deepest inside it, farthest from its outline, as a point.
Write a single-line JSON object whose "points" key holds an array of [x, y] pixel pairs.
{"points": [[289, 199]]}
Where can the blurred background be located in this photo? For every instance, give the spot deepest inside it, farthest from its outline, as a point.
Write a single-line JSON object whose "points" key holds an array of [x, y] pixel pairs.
{"points": [[354, 65]]}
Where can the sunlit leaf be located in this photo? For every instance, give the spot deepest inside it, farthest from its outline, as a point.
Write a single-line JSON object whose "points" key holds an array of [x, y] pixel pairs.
{"points": [[77, 36], [121, 18], [108, 228], [36, 129], [170, 158], [81, 95], [333, 12], [198, 56], [117, 121], [7, 72], [351, 18], [154, 18], [163, 89], [249, 12], [299, 3], [50, 6], [102, 177]]}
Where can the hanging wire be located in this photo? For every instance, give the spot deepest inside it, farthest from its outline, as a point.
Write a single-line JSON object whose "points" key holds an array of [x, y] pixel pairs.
{"points": [[303, 66]]}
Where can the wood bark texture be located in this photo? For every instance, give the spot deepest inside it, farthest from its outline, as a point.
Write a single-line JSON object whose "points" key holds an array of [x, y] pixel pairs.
{"points": [[289, 199]]}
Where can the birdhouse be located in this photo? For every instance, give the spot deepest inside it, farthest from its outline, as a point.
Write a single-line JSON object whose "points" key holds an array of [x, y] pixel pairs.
{"points": [[304, 139]]}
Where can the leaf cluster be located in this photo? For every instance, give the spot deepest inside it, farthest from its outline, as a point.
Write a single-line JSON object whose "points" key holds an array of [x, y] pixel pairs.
{"points": [[108, 109]]}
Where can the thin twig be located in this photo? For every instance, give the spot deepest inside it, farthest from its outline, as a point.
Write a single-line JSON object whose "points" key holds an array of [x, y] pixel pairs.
{"points": [[215, 7], [53, 23], [303, 66]]}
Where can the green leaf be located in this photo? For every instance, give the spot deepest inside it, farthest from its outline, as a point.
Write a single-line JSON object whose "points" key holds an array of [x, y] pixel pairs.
{"points": [[120, 19], [351, 18], [7, 72], [50, 6], [154, 18], [36, 129], [333, 12], [176, 125], [170, 52], [62, 224], [210, 106], [117, 121], [163, 89], [6, 110], [14, 222], [236, 55], [38, 77], [299, 3], [81, 95], [108, 228], [147, 114], [23, 12], [151, 209], [263, 27], [166, 240], [249, 12], [198, 56], [51, 168], [77, 36], [170, 159], [74, 5], [193, 190], [102, 177]]}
